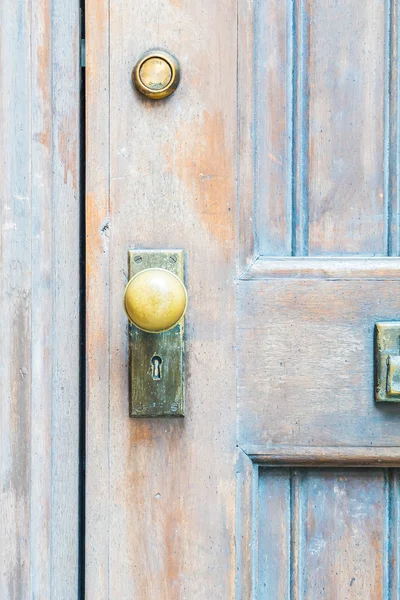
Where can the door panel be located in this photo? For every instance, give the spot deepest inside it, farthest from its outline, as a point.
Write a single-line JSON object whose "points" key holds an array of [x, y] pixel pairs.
{"points": [[323, 108], [327, 533], [306, 359], [312, 532], [318, 128], [342, 141]]}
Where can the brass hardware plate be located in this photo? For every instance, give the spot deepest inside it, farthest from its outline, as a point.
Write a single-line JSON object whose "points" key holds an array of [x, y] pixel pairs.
{"points": [[156, 74], [387, 362], [156, 360]]}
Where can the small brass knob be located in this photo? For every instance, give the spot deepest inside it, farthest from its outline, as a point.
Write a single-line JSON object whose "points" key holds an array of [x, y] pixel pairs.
{"points": [[156, 74], [155, 300]]}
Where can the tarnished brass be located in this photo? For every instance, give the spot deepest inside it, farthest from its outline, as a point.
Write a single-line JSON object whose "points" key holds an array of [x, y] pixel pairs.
{"points": [[387, 362], [156, 387], [156, 74], [155, 300]]}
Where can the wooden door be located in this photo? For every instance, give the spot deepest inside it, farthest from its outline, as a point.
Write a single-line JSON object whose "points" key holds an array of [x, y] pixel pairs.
{"points": [[275, 166]]}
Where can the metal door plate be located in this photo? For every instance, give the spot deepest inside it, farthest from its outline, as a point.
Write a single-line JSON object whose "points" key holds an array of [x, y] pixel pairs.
{"points": [[387, 362], [156, 390]]}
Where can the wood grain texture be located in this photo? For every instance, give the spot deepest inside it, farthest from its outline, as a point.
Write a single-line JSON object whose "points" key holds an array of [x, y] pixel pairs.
{"points": [[392, 126], [338, 522], [323, 533], [246, 180], [343, 534], [306, 370], [97, 299], [300, 127], [311, 136], [305, 324], [344, 269], [160, 513], [39, 152], [346, 127], [393, 535], [351, 456], [265, 121], [273, 68], [274, 535], [318, 116], [246, 525]]}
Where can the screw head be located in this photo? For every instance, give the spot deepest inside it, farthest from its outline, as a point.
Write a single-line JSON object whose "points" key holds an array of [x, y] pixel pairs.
{"points": [[138, 259], [173, 258], [174, 407]]}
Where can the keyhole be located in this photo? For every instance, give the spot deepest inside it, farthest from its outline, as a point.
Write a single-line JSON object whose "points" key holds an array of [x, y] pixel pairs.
{"points": [[156, 362]]}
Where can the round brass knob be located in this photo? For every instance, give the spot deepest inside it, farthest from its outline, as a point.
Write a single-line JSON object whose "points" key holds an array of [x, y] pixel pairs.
{"points": [[155, 300], [156, 74]]}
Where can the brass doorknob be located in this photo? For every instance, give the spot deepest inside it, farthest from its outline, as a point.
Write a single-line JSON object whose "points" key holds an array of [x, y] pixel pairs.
{"points": [[155, 300], [156, 74]]}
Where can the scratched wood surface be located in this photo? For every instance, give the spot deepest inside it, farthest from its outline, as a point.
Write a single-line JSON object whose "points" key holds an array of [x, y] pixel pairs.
{"points": [[327, 533], [321, 101], [347, 206], [306, 362], [319, 237], [305, 318], [160, 506], [39, 299]]}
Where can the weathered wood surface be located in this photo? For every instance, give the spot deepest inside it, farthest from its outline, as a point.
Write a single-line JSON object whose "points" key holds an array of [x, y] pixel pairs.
{"points": [[317, 533], [346, 98], [306, 362], [273, 99], [246, 127], [97, 300], [323, 456], [317, 175], [39, 299], [344, 269], [318, 122], [274, 551], [305, 324], [246, 523], [318, 183], [326, 533], [160, 493]]}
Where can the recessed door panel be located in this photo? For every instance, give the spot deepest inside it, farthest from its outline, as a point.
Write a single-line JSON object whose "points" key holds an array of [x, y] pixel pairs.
{"points": [[326, 533]]}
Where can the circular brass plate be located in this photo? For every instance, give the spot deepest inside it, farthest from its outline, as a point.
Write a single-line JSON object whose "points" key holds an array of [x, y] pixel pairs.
{"points": [[156, 74], [155, 300]]}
